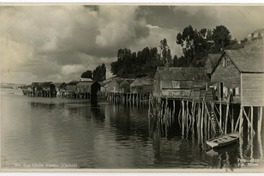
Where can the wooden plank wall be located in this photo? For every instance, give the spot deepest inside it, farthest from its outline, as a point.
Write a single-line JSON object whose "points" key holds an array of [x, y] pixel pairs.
{"points": [[252, 91], [229, 75]]}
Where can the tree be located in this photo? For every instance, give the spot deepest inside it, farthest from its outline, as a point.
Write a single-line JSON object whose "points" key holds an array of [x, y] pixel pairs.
{"points": [[222, 38], [99, 74], [197, 44], [87, 74], [193, 43], [132, 64], [165, 53]]}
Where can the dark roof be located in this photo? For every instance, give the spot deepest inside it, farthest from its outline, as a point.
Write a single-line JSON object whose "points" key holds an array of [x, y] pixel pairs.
{"points": [[247, 61], [57, 84], [45, 84], [73, 83], [124, 84], [143, 81], [211, 62], [181, 74], [254, 46]]}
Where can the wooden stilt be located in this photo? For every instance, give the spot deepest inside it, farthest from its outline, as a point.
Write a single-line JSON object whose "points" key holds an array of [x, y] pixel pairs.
{"points": [[220, 113], [202, 118], [252, 129], [241, 121], [187, 118], [226, 117], [199, 122], [205, 122], [249, 123], [183, 118], [259, 132], [232, 119], [173, 110]]}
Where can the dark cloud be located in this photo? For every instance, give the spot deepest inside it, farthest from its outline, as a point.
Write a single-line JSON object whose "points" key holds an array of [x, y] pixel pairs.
{"points": [[60, 42]]}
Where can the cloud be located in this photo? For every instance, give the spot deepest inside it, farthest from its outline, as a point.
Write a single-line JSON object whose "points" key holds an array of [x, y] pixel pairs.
{"points": [[240, 20], [152, 27], [49, 40], [71, 69], [53, 42]]}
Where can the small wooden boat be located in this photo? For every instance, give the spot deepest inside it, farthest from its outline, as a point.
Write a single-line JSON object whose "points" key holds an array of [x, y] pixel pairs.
{"points": [[223, 140]]}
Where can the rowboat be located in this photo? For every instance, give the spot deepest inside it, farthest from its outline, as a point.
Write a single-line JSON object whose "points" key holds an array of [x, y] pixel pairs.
{"points": [[223, 140]]}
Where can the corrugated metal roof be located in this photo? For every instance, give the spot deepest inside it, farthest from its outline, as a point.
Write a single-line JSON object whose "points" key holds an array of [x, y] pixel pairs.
{"points": [[181, 74]]}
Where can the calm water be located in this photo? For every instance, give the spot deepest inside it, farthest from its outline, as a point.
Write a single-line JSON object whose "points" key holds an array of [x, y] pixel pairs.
{"points": [[63, 133]]}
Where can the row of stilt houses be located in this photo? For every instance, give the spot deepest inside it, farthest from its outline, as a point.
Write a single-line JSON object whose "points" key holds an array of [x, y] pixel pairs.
{"points": [[75, 89], [125, 90], [224, 97]]}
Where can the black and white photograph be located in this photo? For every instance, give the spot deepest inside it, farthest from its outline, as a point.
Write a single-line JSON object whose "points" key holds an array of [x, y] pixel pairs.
{"points": [[141, 87]]}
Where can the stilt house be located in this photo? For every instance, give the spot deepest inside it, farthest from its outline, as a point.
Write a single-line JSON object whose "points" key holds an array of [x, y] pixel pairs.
{"points": [[240, 75], [180, 82]]}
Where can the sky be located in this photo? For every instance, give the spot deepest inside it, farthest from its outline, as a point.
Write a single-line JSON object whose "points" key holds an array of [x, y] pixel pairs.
{"points": [[59, 42]]}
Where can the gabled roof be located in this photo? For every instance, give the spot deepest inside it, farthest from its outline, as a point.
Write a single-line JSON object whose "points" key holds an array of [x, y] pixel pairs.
{"points": [[145, 81], [247, 61], [86, 79], [181, 74], [57, 84], [84, 83], [73, 83], [211, 62], [124, 84]]}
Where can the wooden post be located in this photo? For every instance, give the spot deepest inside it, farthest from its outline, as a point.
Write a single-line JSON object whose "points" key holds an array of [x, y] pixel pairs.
{"points": [[220, 105], [173, 110], [226, 117], [252, 130], [183, 117], [259, 131], [193, 117], [238, 119], [205, 122], [220, 113], [249, 123], [202, 116], [241, 121], [232, 119], [187, 118]]}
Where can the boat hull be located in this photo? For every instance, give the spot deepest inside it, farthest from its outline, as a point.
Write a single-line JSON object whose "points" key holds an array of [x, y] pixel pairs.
{"points": [[223, 141]]}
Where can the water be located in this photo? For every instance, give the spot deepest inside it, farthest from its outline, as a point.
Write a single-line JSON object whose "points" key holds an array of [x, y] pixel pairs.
{"points": [[63, 133]]}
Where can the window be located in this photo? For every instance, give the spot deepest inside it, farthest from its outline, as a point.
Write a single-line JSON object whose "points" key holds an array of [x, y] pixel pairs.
{"points": [[224, 62], [237, 91]]}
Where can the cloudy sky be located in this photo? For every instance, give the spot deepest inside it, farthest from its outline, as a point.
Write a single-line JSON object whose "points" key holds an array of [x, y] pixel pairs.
{"points": [[58, 43]]}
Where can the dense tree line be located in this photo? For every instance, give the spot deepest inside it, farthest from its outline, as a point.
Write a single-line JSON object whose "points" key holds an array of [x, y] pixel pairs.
{"points": [[99, 74], [196, 44], [131, 64]]}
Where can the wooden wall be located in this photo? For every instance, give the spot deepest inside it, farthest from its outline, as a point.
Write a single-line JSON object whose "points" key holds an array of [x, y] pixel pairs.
{"points": [[252, 89], [229, 75]]}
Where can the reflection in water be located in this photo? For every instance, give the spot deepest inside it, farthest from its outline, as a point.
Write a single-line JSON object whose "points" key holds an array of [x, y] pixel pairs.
{"points": [[57, 131]]}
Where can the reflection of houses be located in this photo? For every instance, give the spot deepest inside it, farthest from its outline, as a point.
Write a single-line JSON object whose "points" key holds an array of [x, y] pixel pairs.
{"points": [[179, 82], [240, 73]]}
